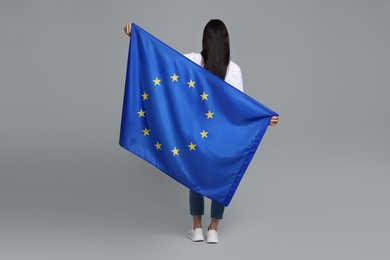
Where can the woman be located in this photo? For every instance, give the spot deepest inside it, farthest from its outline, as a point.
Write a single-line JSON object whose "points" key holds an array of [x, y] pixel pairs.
{"points": [[215, 57]]}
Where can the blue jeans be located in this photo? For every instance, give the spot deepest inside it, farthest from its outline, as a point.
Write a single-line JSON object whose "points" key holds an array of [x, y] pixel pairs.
{"points": [[197, 206]]}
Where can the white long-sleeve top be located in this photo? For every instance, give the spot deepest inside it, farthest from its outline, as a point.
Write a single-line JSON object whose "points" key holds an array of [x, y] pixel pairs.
{"points": [[233, 72]]}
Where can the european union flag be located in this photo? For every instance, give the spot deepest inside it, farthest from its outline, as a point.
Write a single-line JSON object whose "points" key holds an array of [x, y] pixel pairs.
{"points": [[186, 121]]}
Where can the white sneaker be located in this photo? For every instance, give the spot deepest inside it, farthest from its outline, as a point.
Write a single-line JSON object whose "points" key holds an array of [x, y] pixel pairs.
{"points": [[212, 236], [196, 234]]}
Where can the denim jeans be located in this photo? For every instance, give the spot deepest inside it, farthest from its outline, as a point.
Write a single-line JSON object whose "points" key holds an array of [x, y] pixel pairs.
{"points": [[197, 206]]}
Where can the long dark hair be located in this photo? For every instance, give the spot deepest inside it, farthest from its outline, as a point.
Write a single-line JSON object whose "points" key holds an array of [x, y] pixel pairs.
{"points": [[216, 48]]}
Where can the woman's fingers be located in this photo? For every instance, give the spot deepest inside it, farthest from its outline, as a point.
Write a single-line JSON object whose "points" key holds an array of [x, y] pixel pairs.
{"points": [[274, 121], [127, 29]]}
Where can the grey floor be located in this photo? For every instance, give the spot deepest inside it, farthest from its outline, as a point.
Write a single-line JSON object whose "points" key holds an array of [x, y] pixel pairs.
{"points": [[302, 207]]}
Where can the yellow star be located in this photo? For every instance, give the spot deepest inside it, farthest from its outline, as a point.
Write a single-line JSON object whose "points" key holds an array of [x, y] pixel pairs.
{"points": [[204, 96], [145, 96], [174, 77], [204, 133], [192, 146], [209, 114], [191, 84], [156, 81], [141, 113], [146, 131], [175, 151], [158, 146]]}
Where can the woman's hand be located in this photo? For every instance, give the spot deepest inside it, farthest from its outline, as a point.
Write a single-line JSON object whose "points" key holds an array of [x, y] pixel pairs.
{"points": [[127, 29], [274, 121]]}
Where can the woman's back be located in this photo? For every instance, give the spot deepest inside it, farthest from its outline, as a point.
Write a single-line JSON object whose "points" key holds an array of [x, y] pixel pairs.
{"points": [[233, 72]]}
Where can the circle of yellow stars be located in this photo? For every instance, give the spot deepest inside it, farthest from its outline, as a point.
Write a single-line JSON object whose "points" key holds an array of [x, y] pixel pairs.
{"points": [[146, 132]]}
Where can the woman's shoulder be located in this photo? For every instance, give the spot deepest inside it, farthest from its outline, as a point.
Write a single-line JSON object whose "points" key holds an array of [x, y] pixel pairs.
{"points": [[233, 66], [194, 56], [197, 58], [234, 76], [233, 70]]}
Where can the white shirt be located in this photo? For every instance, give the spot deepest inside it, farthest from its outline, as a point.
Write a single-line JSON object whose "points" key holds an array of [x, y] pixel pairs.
{"points": [[233, 72]]}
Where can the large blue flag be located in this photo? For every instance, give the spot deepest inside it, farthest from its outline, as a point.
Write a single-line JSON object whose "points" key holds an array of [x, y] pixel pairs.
{"points": [[186, 121]]}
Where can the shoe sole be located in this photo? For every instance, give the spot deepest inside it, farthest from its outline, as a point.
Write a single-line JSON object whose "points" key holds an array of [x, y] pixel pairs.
{"points": [[195, 240], [198, 240]]}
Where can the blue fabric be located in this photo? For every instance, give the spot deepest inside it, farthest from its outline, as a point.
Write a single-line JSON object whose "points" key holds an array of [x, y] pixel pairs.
{"points": [[186, 121]]}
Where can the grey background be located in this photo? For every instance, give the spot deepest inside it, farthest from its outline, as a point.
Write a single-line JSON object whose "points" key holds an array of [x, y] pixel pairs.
{"points": [[318, 187]]}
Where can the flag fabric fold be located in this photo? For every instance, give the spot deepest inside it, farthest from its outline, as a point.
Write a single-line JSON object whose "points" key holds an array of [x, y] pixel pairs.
{"points": [[187, 122]]}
